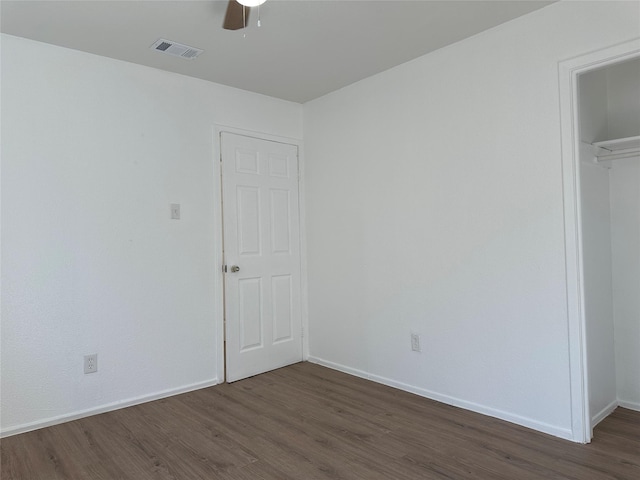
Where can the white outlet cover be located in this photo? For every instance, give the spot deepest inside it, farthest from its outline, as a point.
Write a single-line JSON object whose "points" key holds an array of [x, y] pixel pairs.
{"points": [[91, 363]]}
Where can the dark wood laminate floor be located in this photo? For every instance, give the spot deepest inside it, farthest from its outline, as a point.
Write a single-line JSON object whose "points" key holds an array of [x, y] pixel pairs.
{"points": [[308, 422]]}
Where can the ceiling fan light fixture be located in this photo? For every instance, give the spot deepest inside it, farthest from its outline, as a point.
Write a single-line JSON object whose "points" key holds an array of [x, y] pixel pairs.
{"points": [[251, 3]]}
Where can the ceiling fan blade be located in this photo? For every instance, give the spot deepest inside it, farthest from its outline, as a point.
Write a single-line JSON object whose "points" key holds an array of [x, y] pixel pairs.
{"points": [[235, 19]]}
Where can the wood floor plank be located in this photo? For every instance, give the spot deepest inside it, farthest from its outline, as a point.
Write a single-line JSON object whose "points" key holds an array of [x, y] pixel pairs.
{"points": [[312, 423]]}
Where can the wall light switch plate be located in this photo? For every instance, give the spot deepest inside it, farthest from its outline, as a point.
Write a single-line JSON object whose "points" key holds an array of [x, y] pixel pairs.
{"points": [[415, 342], [175, 211]]}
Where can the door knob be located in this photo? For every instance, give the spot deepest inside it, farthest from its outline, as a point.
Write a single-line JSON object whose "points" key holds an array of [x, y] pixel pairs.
{"points": [[235, 268]]}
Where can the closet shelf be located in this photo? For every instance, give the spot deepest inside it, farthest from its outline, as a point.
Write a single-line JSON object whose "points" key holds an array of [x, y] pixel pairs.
{"points": [[618, 148]]}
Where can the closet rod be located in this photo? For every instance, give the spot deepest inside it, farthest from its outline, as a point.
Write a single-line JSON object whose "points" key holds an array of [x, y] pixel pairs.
{"points": [[617, 149]]}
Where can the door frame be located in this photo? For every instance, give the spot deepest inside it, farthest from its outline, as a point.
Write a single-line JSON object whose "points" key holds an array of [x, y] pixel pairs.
{"points": [[218, 239], [569, 70]]}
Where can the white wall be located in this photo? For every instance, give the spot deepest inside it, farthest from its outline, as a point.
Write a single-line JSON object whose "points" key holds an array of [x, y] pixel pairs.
{"points": [[596, 246], [598, 308], [623, 93], [625, 239], [593, 106], [434, 205], [93, 152]]}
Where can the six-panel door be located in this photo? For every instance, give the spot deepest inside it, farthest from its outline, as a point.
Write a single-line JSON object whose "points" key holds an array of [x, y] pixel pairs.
{"points": [[262, 238]]}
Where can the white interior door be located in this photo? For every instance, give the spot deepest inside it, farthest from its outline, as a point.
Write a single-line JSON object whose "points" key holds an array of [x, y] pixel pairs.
{"points": [[263, 328]]}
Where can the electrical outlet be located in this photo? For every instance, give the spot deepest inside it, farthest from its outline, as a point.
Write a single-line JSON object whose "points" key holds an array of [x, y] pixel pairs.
{"points": [[91, 363], [415, 342]]}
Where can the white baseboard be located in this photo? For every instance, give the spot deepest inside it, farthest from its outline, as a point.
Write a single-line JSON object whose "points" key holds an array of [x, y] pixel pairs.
{"points": [[564, 433], [68, 417], [604, 413], [630, 405]]}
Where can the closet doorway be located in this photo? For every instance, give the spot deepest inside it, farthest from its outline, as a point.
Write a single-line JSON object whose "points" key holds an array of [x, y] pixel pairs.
{"points": [[604, 255], [609, 116]]}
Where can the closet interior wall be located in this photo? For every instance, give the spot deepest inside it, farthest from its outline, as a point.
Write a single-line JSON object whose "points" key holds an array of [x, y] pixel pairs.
{"points": [[609, 106]]}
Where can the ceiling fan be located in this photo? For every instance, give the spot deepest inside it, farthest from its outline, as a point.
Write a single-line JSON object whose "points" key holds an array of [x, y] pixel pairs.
{"points": [[237, 14]]}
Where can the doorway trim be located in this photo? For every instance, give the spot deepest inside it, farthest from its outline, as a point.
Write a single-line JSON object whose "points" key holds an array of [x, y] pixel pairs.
{"points": [[218, 237], [569, 70]]}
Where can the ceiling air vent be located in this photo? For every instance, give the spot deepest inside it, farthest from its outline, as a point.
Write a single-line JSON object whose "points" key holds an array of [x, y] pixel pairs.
{"points": [[176, 49]]}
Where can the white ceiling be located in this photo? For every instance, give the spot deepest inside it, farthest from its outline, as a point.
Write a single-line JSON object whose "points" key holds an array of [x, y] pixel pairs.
{"points": [[303, 50]]}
